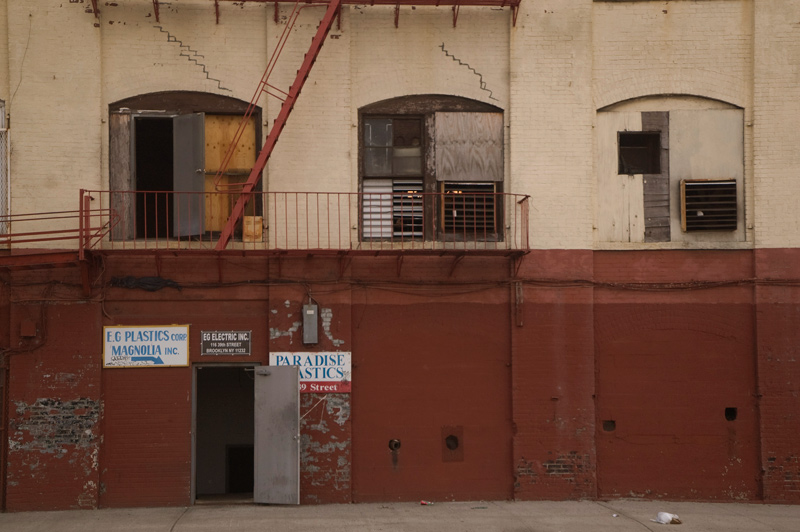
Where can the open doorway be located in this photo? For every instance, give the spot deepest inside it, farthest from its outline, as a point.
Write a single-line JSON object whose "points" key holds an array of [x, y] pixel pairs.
{"points": [[154, 161], [224, 432], [165, 152]]}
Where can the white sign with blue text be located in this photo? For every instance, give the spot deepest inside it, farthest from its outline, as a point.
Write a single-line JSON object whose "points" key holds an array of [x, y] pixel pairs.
{"points": [[320, 372], [153, 346]]}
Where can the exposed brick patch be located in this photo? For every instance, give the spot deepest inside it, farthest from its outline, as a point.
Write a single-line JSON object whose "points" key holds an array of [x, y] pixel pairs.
{"points": [[567, 465], [571, 467], [51, 425], [325, 452]]}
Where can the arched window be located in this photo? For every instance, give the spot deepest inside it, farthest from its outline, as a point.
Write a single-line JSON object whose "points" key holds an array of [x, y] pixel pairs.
{"points": [[431, 166], [167, 142]]}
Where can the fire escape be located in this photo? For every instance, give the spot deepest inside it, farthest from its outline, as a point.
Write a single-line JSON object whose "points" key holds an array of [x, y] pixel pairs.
{"points": [[95, 224]]}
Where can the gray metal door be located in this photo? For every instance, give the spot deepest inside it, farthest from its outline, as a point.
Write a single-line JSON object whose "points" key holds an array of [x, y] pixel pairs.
{"points": [[277, 435], [188, 174]]}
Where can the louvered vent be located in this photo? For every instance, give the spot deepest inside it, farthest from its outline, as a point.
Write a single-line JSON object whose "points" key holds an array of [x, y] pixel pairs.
{"points": [[392, 208], [469, 208], [708, 205]]}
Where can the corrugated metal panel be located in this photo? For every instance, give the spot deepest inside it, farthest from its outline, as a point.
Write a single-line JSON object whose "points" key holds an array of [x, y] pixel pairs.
{"points": [[469, 146]]}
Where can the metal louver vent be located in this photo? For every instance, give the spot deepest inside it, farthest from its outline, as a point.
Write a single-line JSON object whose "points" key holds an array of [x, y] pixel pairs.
{"points": [[708, 205]]}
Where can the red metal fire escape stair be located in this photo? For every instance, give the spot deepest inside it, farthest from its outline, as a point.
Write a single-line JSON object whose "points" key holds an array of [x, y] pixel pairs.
{"points": [[283, 115]]}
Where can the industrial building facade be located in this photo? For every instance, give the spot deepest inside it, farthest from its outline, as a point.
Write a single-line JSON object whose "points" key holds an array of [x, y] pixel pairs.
{"points": [[538, 249]]}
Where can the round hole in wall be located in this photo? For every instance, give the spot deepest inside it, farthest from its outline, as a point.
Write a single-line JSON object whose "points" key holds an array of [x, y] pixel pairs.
{"points": [[451, 442], [731, 413], [394, 444]]}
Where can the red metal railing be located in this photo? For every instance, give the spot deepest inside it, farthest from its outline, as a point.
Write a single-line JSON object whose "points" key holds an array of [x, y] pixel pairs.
{"points": [[86, 226], [314, 221]]}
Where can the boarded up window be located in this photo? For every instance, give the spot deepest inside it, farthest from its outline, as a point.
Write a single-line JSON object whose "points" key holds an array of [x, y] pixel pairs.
{"points": [[469, 147], [436, 173]]}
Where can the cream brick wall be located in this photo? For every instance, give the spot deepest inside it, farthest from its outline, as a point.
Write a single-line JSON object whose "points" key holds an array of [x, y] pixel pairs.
{"points": [[563, 61], [682, 47], [775, 125], [4, 86], [54, 104], [678, 47], [551, 120]]}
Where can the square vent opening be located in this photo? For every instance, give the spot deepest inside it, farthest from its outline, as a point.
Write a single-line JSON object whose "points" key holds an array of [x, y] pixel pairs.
{"points": [[708, 205]]}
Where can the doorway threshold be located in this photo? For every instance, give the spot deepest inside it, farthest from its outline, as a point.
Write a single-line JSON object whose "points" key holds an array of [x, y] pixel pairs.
{"points": [[224, 499]]}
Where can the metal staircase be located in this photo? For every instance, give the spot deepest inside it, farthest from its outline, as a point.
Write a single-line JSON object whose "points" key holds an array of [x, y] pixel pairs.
{"points": [[280, 122]]}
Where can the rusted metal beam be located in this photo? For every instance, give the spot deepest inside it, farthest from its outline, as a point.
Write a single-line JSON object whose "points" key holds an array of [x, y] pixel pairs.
{"points": [[30, 259], [467, 3], [286, 108]]}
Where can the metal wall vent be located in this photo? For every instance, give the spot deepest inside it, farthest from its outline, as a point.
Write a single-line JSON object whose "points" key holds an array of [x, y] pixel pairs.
{"points": [[708, 205]]}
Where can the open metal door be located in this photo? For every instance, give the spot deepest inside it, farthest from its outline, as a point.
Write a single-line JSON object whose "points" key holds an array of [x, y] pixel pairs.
{"points": [[188, 174], [277, 435]]}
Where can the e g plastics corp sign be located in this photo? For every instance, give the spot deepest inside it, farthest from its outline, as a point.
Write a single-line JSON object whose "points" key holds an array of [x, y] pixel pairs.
{"points": [[145, 346], [323, 372]]}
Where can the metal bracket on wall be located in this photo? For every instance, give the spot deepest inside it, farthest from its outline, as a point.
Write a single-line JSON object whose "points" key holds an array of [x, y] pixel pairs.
{"points": [[85, 270], [344, 263], [516, 264], [456, 260]]}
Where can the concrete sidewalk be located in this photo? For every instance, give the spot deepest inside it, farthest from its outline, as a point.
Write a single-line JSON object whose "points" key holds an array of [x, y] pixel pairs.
{"points": [[589, 516]]}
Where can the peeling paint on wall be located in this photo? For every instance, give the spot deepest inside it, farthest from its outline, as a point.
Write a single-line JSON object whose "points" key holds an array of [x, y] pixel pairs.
{"points": [[327, 316], [325, 455], [275, 332]]}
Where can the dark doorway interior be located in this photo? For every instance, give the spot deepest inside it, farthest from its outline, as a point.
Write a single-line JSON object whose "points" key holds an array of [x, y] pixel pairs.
{"points": [[153, 144], [224, 438], [240, 469]]}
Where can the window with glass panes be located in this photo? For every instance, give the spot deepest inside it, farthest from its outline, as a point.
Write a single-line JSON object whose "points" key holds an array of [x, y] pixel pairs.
{"points": [[432, 167], [392, 178]]}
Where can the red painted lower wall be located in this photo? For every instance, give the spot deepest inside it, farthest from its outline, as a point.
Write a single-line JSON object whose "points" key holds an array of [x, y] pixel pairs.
{"points": [[573, 374], [778, 348]]}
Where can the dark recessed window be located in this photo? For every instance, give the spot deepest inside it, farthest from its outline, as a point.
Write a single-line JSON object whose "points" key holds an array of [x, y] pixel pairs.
{"points": [[639, 152]]}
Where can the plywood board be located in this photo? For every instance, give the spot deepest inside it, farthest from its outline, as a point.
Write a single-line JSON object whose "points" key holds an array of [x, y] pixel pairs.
{"points": [[469, 147], [620, 198]]}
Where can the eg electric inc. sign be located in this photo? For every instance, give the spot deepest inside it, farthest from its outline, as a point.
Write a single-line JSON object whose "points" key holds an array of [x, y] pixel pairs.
{"points": [[145, 346], [321, 372]]}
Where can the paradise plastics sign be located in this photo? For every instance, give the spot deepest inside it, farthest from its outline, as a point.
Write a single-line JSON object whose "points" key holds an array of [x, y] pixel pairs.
{"points": [[322, 372], [158, 346]]}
